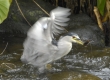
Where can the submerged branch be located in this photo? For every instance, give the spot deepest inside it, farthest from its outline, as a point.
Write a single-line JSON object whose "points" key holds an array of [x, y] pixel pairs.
{"points": [[7, 65], [4, 49]]}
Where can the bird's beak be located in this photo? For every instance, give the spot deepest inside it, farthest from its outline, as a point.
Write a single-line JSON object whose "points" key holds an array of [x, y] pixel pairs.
{"points": [[78, 40]]}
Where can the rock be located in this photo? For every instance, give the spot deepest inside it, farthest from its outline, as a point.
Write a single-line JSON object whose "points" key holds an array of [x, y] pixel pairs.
{"points": [[87, 29]]}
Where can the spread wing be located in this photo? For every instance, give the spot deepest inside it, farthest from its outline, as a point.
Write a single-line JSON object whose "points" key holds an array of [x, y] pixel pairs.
{"points": [[59, 17], [48, 27], [38, 49]]}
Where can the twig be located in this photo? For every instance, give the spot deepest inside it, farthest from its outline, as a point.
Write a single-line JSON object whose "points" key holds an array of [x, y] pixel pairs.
{"points": [[6, 64], [98, 17], [4, 49], [41, 8], [22, 13], [56, 2]]}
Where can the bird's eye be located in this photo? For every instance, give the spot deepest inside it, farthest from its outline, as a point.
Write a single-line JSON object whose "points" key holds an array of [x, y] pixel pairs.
{"points": [[73, 36]]}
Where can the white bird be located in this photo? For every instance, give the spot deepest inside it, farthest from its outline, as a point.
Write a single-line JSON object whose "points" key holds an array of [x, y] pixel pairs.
{"points": [[38, 47]]}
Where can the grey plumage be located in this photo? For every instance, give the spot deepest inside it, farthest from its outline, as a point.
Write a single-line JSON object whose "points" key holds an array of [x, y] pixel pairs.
{"points": [[38, 47]]}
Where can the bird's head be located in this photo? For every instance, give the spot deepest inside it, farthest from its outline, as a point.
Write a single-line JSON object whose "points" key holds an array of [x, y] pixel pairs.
{"points": [[75, 38]]}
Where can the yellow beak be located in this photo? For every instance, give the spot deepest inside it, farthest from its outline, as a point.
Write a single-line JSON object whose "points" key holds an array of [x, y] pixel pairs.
{"points": [[76, 40]]}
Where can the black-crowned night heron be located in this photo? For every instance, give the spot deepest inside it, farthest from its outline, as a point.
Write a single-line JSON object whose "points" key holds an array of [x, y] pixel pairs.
{"points": [[38, 47]]}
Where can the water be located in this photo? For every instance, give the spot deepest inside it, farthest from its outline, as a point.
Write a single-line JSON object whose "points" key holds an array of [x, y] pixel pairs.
{"points": [[80, 64]]}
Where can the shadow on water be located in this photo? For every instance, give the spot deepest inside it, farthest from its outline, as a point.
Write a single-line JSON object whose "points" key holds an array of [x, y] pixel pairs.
{"points": [[82, 63]]}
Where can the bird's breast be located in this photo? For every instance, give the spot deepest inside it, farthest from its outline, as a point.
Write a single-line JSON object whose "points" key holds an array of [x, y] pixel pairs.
{"points": [[64, 48]]}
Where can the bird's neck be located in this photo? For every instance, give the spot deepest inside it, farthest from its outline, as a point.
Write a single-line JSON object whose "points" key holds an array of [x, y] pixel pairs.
{"points": [[62, 40], [65, 39], [64, 47]]}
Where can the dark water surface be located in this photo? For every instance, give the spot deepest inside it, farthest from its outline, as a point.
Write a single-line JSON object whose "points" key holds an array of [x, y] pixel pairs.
{"points": [[82, 63]]}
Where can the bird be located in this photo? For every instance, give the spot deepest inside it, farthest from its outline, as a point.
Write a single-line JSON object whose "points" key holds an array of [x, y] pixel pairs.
{"points": [[41, 46]]}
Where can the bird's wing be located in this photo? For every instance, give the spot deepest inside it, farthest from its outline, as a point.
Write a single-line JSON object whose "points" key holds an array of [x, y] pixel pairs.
{"points": [[48, 27], [38, 49], [59, 17]]}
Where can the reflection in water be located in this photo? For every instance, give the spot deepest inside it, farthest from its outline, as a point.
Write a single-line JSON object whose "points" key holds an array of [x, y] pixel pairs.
{"points": [[83, 62]]}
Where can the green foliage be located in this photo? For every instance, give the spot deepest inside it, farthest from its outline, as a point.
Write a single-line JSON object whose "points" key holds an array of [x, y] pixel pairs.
{"points": [[4, 9], [101, 6], [10, 1]]}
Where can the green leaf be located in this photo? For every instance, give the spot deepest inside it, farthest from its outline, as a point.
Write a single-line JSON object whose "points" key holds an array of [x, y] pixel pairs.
{"points": [[10, 1], [4, 9], [101, 6]]}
